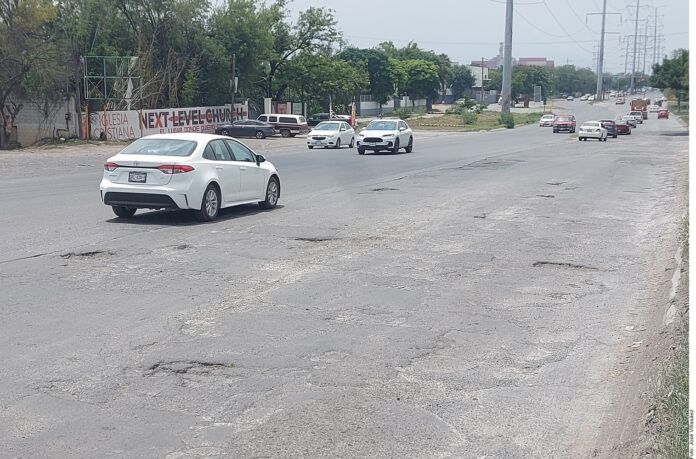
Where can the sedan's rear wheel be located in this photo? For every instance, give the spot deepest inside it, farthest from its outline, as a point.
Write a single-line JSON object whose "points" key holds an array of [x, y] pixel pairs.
{"points": [[123, 212], [352, 142], [272, 194], [260, 135], [210, 205]]}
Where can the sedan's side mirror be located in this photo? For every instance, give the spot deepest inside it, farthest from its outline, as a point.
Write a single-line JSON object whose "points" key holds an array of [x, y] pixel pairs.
{"points": [[260, 159], [402, 129]]}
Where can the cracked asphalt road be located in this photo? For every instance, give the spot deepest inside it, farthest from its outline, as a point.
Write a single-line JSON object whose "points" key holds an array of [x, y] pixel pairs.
{"points": [[467, 300]]}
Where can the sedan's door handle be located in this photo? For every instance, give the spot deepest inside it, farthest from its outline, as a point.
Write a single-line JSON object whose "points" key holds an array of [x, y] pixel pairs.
{"points": [[242, 168], [218, 168]]}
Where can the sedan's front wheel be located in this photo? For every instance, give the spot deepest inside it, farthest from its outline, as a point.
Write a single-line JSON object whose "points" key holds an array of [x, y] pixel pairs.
{"points": [[272, 194], [123, 212], [396, 146], [260, 135], [409, 147], [210, 205]]}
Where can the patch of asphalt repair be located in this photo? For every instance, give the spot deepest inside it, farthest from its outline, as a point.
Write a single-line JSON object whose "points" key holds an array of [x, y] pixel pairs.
{"points": [[556, 264], [82, 255], [180, 367]]}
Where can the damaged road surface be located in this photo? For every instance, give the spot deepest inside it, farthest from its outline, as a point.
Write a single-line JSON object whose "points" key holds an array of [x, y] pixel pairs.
{"points": [[432, 304]]}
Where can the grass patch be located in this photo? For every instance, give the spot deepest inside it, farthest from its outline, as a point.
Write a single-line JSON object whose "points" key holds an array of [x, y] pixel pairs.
{"points": [[672, 407], [672, 390], [484, 122]]}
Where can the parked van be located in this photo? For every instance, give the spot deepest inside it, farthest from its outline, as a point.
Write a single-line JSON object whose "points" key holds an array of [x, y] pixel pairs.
{"points": [[287, 125]]}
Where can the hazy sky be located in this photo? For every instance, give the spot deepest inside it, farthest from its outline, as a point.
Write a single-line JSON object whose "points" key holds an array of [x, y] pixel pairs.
{"points": [[470, 29]]}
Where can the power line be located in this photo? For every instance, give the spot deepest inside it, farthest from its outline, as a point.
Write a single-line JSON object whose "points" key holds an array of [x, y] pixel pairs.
{"points": [[578, 17], [535, 27], [564, 29]]}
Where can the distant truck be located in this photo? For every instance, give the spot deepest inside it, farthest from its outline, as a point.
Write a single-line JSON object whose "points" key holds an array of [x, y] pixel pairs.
{"points": [[640, 105]]}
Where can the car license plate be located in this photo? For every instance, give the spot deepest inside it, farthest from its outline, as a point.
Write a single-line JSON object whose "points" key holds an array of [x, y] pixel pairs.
{"points": [[137, 177]]}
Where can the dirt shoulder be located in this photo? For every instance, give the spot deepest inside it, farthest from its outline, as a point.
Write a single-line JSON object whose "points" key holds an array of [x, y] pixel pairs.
{"points": [[629, 429]]}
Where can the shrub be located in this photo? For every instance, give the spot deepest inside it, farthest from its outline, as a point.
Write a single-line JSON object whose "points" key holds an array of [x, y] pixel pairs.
{"points": [[469, 118], [507, 120], [403, 113]]}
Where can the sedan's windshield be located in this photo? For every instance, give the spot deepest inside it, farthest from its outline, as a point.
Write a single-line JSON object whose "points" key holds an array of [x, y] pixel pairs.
{"points": [[326, 127], [381, 126], [160, 147]]}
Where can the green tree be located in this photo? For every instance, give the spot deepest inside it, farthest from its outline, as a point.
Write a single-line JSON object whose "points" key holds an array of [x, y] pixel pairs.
{"points": [[421, 79], [571, 80], [462, 79], [316, 77], [525, 77], [29, 59], [190, 90], [673, 73], [315, 30], [379, 71]]}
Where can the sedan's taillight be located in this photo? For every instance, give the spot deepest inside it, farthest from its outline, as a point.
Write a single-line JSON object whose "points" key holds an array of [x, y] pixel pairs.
{"points": [[111, 167], [175, 168]]}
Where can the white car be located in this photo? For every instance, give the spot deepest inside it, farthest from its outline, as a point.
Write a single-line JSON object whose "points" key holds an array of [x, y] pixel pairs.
{"points": [[332, 134], [584, 97], [391, 135], [630, 120], [570, 98], [203, 172], [591, 98], [653, 108], [592, 130], [546, 121]]}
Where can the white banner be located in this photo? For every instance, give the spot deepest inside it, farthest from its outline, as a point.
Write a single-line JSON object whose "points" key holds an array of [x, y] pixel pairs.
{"points": [[132, 124]]}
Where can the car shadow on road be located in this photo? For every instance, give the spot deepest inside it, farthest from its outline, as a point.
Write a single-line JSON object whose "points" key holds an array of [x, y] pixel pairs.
{"points": [[387, 153], [186, 217]]}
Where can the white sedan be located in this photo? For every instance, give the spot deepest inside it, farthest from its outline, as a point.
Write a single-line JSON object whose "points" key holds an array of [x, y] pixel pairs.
{"points": [[333, 134], [653, 108], [546, 121], [203, 172], [391, 135], [592, 130]]}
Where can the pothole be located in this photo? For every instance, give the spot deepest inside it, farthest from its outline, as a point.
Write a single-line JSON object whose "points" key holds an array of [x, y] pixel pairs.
{"points": [[81, 255], [556, 264], [317, 239], [183, 367], [546, 196], [555, 183], [385, 189]]}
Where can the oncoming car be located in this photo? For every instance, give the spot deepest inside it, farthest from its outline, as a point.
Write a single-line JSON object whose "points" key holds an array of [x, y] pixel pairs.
{"points": [[331, 134], [389, 135], [564, 123], [202, 172], [592, 130]]}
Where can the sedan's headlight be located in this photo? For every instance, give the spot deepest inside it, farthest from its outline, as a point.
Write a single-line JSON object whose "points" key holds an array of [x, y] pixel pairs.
{"points": [[388, 135]]}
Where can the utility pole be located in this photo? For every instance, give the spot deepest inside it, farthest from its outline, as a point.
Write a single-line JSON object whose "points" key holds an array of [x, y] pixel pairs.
{"points": [[645, 47], [482, 60], [655, 41], [507, 60], [600, 64], [234, 83], [635, 50]]}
